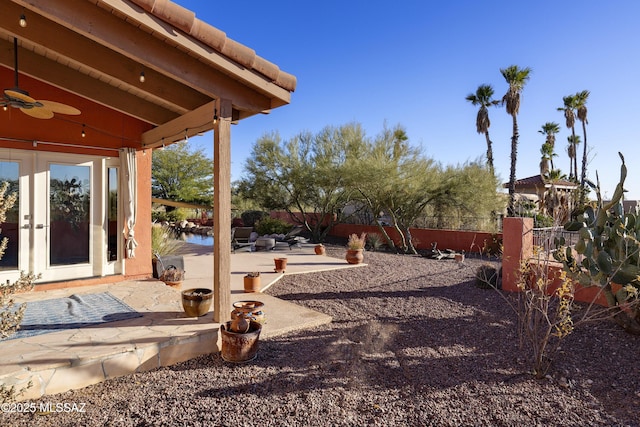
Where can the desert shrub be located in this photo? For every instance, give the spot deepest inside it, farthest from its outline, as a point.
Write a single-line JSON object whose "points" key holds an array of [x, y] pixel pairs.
{"points": [[11, 314], [541, 220], [544, 315], [270, 225], [249, 218], [163, 240], [177, 215], [487, 277], [493, 246], [159, 216], [375, 241]]}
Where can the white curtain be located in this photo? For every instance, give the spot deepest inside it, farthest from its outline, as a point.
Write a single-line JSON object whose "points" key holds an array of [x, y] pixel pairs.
{"points": [[130, 198]]}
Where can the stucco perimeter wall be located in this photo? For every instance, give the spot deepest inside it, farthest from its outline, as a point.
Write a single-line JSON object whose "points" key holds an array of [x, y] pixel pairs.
{"points": [[286, 216], [468, 241]]}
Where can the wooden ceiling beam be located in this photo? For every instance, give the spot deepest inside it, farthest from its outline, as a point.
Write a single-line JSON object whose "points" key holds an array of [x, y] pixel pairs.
{"points": [[195, 122], [150, 51], [82, 53], [88, 87]]}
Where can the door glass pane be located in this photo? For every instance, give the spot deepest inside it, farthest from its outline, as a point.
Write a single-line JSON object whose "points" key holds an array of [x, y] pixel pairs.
{"points": [[112, 214], [10, 173], [69, 213]]}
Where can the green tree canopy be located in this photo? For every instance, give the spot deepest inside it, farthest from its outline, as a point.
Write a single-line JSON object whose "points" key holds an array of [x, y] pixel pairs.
{"points": [[306, 174], [182, 174], [467, 197], [397, 179], [393, 177], [339, 172]]}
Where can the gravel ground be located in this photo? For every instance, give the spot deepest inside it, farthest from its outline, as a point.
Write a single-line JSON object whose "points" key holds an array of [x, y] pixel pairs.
{"points": [[413, 342]]}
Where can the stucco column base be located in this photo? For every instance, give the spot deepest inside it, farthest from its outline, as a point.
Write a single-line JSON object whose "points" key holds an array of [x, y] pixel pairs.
{"points": [[517, 239]]}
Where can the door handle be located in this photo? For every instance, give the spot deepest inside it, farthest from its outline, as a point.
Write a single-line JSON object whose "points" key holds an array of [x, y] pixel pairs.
{"points": [[26, 226], [41, 226]]}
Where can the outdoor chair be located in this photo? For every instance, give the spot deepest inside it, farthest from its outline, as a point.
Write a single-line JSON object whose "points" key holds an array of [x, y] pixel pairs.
{"points": [[240, 237], [292, 238]]}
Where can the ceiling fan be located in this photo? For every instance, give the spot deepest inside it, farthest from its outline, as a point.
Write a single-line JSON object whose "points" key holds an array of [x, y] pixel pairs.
{"points": [[19, 98]]}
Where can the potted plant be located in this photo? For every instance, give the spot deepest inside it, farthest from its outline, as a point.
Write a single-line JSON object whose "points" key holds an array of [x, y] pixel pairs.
{"points": [[319, 249], [252, 282], [240, 335], [164, 247], [355, 246], [197, 301], [281, 264], [251, 309], [172, 276]]}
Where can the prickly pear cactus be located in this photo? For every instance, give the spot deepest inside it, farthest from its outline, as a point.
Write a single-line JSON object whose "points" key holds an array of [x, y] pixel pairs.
{"points": [[609, 243]]}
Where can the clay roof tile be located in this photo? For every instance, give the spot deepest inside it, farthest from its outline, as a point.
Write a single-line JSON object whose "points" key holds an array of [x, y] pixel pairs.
{"points": [[186, 21]]}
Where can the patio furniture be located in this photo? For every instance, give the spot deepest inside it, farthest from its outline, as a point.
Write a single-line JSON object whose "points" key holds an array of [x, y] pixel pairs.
{"points": [[292, 238], [240, 237], [265, 243]]}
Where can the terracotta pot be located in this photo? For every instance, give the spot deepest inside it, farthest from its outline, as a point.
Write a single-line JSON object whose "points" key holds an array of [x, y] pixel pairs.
{"points": [[175, 285], [197, 301], [252, 284], [281, 264], [250, 309], [240, 325], [240, 348], [319, 249], [354, 256]]}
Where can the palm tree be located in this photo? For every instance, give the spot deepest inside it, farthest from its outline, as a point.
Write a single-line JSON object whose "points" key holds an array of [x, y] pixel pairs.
{"points": [[572, 150], [547, 155], [550, 129], [570, 117], [555, 175], [516, 78], [581, 104], [483, 98]]}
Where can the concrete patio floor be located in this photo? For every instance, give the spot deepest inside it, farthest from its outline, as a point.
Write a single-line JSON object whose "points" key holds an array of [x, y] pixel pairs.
{"points": [[71, 359]]}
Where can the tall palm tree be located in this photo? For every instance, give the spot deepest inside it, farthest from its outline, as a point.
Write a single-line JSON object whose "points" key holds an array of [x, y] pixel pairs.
{"points": [[516, 77], [572, 150], [581, 104], [550, 129], [569, 109], [483, 98]]}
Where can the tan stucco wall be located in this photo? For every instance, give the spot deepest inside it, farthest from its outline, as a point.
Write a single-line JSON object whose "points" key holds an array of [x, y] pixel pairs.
{"points": [[140, 266]]}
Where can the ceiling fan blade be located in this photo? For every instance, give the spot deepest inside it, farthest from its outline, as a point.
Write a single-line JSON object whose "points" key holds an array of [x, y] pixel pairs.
{"points": [[38, 113], [59, 108], [19, 98], [19, 95]]}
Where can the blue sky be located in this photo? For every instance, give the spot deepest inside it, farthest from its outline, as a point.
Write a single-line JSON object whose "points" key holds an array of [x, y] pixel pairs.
{"points": [[413, 63]]}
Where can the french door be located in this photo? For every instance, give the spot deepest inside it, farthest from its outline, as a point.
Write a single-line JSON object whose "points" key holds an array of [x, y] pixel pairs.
{"points": [[60, 226]]}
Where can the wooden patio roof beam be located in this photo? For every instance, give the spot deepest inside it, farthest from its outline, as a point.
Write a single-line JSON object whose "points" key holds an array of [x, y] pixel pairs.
{"points": [[151, 52]]}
